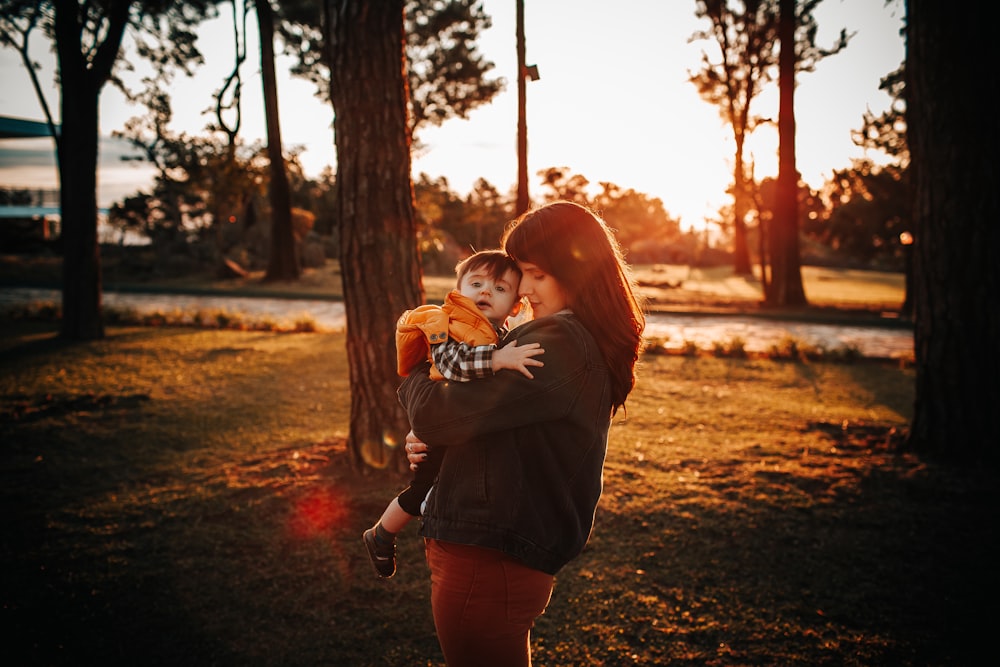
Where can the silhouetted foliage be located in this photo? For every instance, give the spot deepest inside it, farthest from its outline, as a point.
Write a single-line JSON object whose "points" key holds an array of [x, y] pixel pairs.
{"points": [[869, 210], [443, 237], [447, 76], [645, 230], [487, 212], [886, 132]]}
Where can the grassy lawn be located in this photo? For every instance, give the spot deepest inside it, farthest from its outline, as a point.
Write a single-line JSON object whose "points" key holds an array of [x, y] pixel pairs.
{"points": [[179, 496]]}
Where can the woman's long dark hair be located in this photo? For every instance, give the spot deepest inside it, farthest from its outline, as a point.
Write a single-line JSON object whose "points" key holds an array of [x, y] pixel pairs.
{"points": [[574, 245]]}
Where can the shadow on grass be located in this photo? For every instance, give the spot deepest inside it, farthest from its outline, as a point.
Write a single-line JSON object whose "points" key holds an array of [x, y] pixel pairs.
{"points": [[256, 561], [219, 522], [813, 562]]}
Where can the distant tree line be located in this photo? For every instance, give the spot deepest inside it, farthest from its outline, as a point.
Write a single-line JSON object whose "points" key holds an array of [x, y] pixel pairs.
{"points": [[855, 220]]}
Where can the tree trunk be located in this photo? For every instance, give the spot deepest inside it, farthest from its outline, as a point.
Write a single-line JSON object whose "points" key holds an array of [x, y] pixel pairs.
{"points": [[81, 80], [956, 278], [379, 261], [283, 261], [81, 292], [785, 288], [523, 198], [906, 310], [763, 236], [741, 252]]}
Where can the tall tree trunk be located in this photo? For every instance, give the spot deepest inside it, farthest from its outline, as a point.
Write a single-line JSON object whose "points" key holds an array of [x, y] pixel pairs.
{"points": [[957, 205], [523, 198], [81, 292], [785, 288], [379, 262], [906, 310], [763, 235], [741, 252], [283, 261], [81, 80]]}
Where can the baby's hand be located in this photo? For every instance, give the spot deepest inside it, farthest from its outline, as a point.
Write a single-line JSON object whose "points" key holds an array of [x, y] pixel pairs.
{"points": [[517, 358]]}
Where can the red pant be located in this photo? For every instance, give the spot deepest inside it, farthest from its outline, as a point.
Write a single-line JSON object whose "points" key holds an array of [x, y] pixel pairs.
{"points": [[485, 604]]}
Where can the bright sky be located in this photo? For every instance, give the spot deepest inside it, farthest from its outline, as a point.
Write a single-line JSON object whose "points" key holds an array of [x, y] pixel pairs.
{"points": [[613, 104]]}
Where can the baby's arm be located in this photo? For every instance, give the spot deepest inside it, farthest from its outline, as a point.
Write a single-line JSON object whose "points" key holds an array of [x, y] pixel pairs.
{"points": [[460, 362], [517, 358]]}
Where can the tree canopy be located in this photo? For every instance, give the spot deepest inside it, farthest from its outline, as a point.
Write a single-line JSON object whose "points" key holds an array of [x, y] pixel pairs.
{"points": [[447, 75]]}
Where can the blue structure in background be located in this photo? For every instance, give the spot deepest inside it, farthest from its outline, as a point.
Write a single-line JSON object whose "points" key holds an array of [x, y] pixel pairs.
{"points": [[29, 216], [21, 128]]}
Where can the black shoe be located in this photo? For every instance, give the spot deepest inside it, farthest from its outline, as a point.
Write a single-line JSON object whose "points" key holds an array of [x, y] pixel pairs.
{"points": [[383, 557]]}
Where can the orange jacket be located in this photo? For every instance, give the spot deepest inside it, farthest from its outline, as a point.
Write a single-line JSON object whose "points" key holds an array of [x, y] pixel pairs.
{"points": [[427, 325]]}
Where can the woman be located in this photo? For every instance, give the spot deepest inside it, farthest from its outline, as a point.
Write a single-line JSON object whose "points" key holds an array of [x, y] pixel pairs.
{"points": [[516, 496]]}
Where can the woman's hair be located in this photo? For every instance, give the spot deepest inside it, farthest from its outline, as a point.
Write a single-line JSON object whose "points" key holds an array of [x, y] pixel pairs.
{"points": [[494, 263], [573, 245]]}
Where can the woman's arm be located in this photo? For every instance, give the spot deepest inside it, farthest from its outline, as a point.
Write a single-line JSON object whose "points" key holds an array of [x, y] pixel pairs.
{"points": [[449, 414]]}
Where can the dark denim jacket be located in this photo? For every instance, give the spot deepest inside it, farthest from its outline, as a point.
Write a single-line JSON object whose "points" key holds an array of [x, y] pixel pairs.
{"points": [[525, 457]]}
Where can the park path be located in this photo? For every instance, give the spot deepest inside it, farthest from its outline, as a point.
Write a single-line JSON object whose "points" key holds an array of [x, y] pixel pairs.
{"points": [[758, 334]]}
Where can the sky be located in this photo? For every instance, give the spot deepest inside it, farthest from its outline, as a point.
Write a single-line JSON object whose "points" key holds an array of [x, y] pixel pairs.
{"points": [[613, 103]]}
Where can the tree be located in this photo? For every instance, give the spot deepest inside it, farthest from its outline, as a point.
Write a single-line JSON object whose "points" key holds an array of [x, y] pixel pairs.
{"points": [[88, 40], [887, 133], [203, 182], [784, 286], [640, 223], [869, 212], [523, 197], [443, 235], [379, 263], [956, 209], [487, 212], [746, 38], [447, 75], [798, 53], [283, 263], [561, 183]]}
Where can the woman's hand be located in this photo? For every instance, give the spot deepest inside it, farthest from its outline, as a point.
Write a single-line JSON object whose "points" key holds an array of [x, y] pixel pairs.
{"points": [[416, 450]]}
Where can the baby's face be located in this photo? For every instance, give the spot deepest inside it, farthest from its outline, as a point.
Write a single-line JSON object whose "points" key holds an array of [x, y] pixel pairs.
{"points": [[494, 298]]}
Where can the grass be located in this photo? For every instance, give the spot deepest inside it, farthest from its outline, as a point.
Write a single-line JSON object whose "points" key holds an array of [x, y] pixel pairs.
{"points": [[183, 496]]}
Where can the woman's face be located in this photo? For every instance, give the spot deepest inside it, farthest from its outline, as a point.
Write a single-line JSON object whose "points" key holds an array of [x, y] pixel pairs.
{"points": [[542, 291]]}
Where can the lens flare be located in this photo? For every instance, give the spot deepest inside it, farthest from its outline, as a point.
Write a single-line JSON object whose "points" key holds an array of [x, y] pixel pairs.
{"points": [[379, 454], [317, 513]]}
